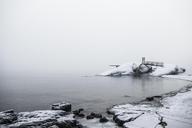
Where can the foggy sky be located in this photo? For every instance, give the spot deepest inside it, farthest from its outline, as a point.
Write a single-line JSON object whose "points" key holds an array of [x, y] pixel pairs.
{"points": [[62, 36]]}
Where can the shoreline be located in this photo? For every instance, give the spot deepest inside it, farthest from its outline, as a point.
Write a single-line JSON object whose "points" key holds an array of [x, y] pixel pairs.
{"points": [[150, 108], [156, 111]]}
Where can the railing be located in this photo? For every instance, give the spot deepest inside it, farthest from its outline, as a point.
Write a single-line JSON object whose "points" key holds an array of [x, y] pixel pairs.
{"points": [[152, 63]]}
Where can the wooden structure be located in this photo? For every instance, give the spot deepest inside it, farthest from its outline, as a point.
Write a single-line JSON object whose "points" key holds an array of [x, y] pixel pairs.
{"points": [[152, 63]]}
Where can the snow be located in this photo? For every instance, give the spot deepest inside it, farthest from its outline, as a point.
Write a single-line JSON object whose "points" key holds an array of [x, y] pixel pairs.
{"points": [[40, 116], [179, 76], [175, 113], [148, 120], [166, 71], [94, 123], [125, 69]]}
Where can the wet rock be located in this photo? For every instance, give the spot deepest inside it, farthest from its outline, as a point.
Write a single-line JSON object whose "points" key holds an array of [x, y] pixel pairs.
{"points": [[62, 106], [149, 98], [90, 117], [103, 120], [81, 115], [8, 117], [78, 111], [96, 115]]}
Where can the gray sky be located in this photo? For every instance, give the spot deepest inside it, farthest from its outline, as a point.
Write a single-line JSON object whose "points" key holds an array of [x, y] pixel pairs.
{"points": [[62, 36]]}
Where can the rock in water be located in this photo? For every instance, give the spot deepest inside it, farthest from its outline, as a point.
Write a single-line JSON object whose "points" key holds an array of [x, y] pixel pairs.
{"points": [[62, 106], [103, 120]]}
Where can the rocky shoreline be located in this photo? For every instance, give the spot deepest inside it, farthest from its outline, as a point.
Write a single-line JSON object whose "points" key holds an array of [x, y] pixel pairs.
{"points": [[160, 111], [172, 110]]}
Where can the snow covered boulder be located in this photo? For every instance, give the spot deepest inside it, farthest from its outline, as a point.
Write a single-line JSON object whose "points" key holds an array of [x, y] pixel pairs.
{"points": [[124, 69], [132, 69], [7, 117], [62, 106], [44, 119], [167, 69]]}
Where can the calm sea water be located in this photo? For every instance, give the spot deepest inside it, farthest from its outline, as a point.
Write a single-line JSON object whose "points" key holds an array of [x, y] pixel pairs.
{"points": [[27, 93]]}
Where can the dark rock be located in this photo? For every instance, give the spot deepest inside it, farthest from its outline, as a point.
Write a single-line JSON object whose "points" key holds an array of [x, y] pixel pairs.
{"points": [[78, 111], [118, 121], [62, 106], [96, 115], [90, 117], [81, 109], [81, 115], [103, 120], [7, 117], [149, 98]]}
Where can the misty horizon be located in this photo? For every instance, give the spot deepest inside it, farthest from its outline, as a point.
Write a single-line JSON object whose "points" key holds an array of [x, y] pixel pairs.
{"points": [[42, 36]]}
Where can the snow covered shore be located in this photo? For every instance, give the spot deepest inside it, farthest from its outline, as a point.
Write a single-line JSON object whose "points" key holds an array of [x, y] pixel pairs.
{"points": [[168, 71], [171, 110]]}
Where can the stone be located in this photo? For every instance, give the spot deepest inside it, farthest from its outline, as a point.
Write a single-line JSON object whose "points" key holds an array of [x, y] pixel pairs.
{"points": [[44, 119], [96, 115], [62, 106], [89, 117], [8, 117], [103, 120]]}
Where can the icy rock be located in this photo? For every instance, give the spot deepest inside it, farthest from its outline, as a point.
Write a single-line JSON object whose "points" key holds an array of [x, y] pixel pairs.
{"points": [[44, 118], [62, 106], [95, 123], [147, 120], [132, 69], [7, 117], [175, 112]]}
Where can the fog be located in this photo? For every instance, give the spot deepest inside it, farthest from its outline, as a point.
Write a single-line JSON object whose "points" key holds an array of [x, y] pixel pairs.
{"points": [[84, 36]]}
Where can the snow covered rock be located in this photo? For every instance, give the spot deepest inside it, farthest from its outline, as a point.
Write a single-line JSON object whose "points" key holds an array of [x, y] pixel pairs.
{"points": [[175, 111], [95, 123], [42, 119], [124, 69], [168, 70], [62, 106]]}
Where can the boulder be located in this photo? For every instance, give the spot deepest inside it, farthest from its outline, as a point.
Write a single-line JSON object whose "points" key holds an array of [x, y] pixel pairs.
{"points": [[90, 117], [62, 106], [44, 119], [103, 120], [96, 115]]}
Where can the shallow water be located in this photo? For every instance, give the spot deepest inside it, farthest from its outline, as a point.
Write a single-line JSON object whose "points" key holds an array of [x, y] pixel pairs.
{"points": [[27, 93]]}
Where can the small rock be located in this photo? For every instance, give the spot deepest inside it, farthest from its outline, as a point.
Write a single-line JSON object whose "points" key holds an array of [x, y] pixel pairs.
{"points": [[81, 115], [78, 111], [62, 106], [149, 98], [96, 115], [90, 117], [103, 120]]}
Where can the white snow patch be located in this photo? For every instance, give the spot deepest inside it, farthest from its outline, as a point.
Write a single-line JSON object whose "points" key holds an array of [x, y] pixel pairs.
{"points": [[94, 123], [165, 71], [125, 69], [176, 112], [179, 76]]}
